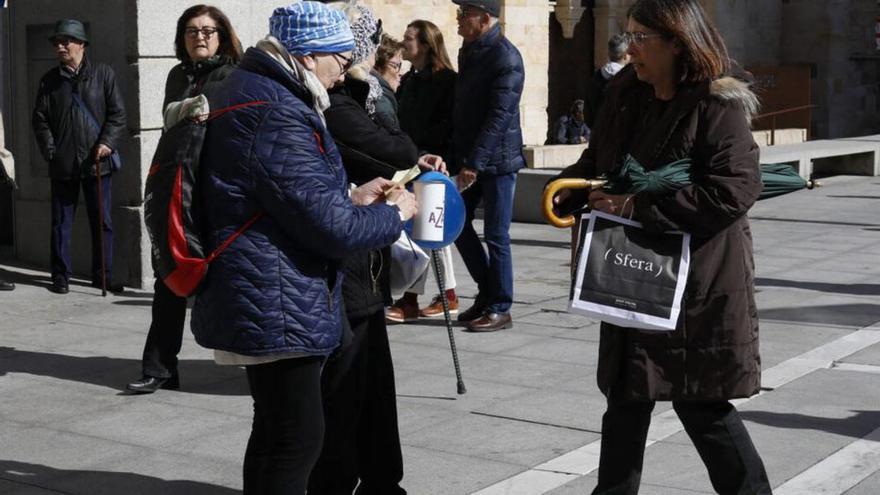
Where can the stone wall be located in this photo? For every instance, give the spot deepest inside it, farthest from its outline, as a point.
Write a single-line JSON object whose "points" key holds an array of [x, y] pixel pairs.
{"points": [[526, 24], [837, 39]]}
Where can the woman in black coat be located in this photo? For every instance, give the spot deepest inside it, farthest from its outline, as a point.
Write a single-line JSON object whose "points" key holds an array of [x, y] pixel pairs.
{"points": [[208, 50], [676, 101], [361, 439], [425, 101]]}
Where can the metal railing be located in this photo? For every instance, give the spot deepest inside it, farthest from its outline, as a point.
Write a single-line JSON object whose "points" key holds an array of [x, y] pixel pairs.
{"points": [[772, 116]]}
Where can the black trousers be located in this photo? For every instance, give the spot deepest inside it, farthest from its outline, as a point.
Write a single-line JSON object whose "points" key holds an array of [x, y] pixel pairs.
{"points": [[166, 333], [288, 426], [65, 196], [715, 428], [361, 441]]}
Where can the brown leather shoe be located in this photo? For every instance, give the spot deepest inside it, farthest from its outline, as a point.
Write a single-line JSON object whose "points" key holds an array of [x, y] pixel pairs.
{"points": [[403, 310], [472, 313], [491, 322], [436, 308]]}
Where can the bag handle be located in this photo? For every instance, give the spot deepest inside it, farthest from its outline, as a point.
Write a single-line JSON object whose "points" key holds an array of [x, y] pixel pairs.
{"points": [[82, 105], [623, 207], [229, 240], [205, 117]]}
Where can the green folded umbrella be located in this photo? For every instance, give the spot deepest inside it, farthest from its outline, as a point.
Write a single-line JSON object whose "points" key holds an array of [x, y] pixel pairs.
{"points": [[632, 177], [780, 179]]}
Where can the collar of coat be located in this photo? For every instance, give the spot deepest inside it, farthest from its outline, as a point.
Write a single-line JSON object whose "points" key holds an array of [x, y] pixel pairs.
{"points": [[727, 89], [82, 72], [486, 40], [259, 62], [353, 88]]}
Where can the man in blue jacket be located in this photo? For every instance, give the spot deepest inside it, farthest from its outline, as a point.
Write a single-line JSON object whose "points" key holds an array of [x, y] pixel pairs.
{"points": [[487, 153]]}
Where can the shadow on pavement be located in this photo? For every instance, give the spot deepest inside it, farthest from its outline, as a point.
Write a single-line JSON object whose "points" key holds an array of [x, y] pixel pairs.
{"points": [[32, 477], [45, 282], [855, 289], [848, 315], [136, 302], [196, 376], [858, 425]]}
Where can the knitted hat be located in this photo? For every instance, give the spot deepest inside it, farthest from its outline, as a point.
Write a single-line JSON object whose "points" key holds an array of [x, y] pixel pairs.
{"points": [[367, 33], [305, 27]]}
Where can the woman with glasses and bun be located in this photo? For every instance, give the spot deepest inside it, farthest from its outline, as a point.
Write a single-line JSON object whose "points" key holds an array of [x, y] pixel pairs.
{"points": [[681, 98], [387, 72], [362, 442], [208, 50]]}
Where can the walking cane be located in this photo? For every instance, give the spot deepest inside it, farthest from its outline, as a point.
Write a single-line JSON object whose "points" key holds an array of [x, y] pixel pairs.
{"points": [[568, 220], [441, 284], [100, 189]]}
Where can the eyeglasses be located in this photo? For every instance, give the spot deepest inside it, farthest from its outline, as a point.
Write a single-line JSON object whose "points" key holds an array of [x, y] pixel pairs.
{"points": [[193, 32], [460, 12], [395, 66], [377, 34], [638, 37], [348, 62], [61, 40]]}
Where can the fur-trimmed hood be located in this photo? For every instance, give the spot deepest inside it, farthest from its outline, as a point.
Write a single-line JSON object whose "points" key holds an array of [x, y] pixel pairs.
{"points": [[729, 88]]}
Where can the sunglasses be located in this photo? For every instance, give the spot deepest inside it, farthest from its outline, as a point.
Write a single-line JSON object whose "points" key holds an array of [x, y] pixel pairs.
{"points": [[461, 12], [61, 40]]}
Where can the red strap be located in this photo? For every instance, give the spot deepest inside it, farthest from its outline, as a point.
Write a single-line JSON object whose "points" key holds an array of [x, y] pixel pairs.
{"points": [[220, 111], [234, 236], [320, 142]]}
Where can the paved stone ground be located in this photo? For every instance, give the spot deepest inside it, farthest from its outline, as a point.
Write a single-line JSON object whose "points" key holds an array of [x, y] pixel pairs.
{"points": [[531, 417]]}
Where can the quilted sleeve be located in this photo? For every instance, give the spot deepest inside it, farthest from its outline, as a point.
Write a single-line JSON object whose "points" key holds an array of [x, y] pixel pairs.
{"points": [[299, 188]]}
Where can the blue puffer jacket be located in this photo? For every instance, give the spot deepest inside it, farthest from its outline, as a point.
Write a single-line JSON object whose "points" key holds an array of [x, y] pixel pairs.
{"points": [[486, 132], [277, 287]]}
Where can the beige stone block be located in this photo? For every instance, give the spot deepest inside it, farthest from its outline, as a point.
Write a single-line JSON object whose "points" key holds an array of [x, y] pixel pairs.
{"points": [[152, 74], [553, 155], [783, 136]]}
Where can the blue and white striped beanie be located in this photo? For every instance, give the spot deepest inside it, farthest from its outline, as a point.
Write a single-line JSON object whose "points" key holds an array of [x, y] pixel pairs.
{"points": [[306, 27]]}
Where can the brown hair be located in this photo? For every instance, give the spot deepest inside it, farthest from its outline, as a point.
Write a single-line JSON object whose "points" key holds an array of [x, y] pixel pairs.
{"points": [[430, 35], [704, 56], [388, 48], [230, 46]]}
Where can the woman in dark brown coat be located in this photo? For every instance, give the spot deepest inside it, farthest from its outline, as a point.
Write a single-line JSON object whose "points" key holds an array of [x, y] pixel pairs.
{"points": [[673, 102]]}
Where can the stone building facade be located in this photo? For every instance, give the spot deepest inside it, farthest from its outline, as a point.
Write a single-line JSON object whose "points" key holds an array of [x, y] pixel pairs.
{"points": [[561, 42]]}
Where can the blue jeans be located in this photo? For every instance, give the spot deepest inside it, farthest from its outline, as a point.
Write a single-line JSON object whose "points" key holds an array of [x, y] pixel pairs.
{"points": [[493, 273]]}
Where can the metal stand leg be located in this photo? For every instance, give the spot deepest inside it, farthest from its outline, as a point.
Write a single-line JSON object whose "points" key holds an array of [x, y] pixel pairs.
{"points": [[441, 284]]}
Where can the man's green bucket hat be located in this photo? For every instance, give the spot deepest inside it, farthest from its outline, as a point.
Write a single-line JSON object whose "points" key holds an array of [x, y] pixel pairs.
{"points": [[71, 28]]}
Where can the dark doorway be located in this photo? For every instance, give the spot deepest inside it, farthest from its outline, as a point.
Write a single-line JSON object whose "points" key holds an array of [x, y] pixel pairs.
{"points": [[571, 64], [7, 218]]}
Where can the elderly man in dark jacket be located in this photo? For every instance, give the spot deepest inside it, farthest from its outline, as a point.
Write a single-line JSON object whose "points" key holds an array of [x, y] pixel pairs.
{"points": [[79, 121], [487, 153]]}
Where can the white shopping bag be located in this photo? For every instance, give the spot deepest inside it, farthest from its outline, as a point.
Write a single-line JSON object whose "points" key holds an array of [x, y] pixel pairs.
{"points": [[628, 277], [408, 262]]}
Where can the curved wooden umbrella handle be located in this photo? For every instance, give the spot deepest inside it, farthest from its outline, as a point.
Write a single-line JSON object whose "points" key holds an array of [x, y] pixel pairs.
{"points": [[553, 188]]}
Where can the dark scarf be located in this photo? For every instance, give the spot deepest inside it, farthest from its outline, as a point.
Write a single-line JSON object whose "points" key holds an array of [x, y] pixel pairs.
{"points": [[196, 71]]}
